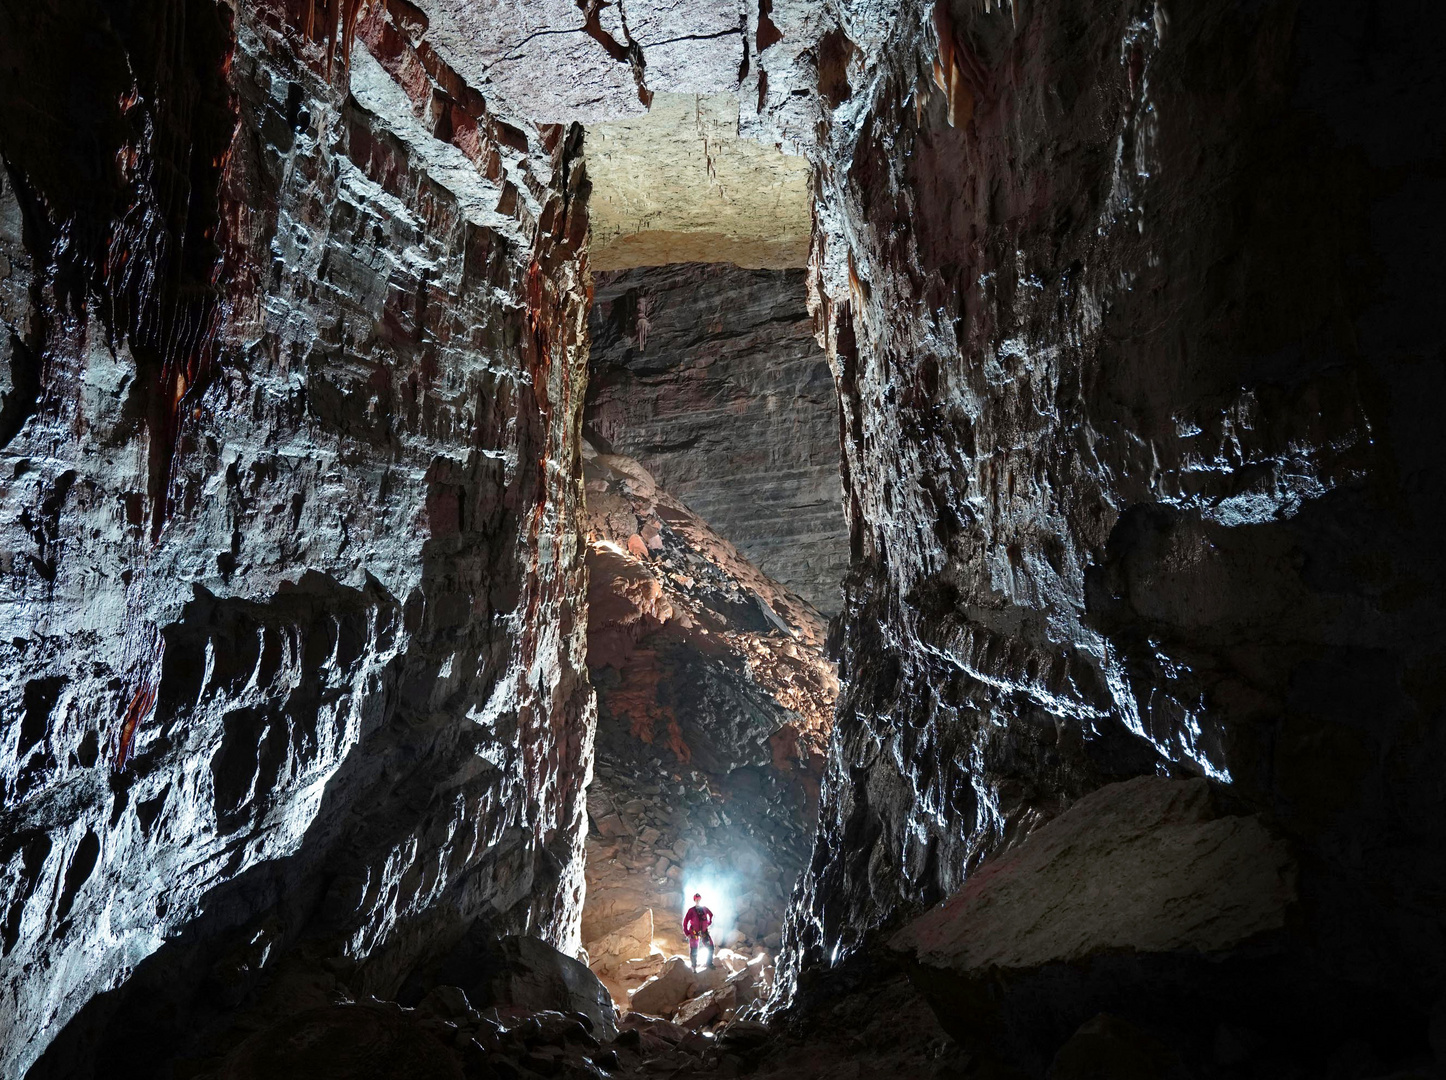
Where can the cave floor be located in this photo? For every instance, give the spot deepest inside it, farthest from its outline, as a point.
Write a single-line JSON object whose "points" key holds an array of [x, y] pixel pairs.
{"points": [[884, 1031]]}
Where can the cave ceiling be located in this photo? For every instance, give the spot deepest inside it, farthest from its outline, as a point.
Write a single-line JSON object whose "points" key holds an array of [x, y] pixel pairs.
{"points": [[660, 88]]}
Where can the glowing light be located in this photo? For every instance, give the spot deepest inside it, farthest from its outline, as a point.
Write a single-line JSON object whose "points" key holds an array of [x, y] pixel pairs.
{"points": [[720, 890]]}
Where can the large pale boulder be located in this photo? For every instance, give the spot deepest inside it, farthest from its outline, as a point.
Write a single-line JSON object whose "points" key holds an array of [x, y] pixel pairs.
{"points": [[1141, 898], [676, 983], [664, 992], [1146, 865]]}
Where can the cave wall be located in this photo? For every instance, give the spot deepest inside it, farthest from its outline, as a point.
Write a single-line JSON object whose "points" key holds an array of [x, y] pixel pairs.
{"points": [[710, 376], [1134, 317], [291, 586]]}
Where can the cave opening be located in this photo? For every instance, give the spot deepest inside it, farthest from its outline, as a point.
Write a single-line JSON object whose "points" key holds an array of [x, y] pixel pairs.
{"points": [[717, 548]]}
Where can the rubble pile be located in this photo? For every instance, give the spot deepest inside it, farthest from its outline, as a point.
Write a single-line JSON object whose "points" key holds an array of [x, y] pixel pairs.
{"points": [[714, 699]]}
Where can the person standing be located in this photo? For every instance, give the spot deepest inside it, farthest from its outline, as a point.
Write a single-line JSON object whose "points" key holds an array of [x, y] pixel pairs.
{"points": [[696, 921]]}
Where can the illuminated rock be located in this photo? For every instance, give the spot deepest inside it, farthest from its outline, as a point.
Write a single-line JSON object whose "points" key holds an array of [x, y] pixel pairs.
{"points": [[291, 583], [679, 185], [1146, 899], [731, 408], [662, 994]]}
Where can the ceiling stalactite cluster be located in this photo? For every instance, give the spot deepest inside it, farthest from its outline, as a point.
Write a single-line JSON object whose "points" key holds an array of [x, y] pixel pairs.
{"points": [[1130, 311]]}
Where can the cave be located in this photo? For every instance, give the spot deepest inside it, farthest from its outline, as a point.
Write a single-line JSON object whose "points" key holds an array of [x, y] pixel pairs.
{"points": [[949, 480]]}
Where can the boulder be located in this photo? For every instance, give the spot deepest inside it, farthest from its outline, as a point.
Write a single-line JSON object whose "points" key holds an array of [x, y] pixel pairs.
{"points": [[751, 981], [706, 1008], [705, 979], [534, 975], [1140, 899], [520, 973], [1147, 865], [634, 940], [664, 992], [664, 1029], [730, 961]]}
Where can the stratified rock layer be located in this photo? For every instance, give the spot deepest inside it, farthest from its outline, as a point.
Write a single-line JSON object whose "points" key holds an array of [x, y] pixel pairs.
{"points": [[1134, 311], [292, 577], [679, 185], [709, 376]]}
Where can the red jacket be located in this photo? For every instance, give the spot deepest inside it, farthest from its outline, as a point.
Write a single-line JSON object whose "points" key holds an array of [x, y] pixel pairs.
{"points": [[696, 920]]}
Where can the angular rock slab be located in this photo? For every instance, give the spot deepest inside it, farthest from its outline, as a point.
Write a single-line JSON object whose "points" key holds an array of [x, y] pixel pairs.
{"points": [[1147, 900], [664, 992], [676, 984], [630, 941], [1145, 865], [534, 975], [706, 1008], [521, 972]]}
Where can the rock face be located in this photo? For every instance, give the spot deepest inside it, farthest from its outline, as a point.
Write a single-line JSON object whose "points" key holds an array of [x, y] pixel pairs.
{"points": [[291, 585], [709, 376], [1133, 313], [714, 702], [556, 61]]}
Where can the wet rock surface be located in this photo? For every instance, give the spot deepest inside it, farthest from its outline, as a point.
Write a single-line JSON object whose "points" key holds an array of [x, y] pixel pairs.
{"points": [[292, 664], [714, 702], [1131, 310], [711, 378]]}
